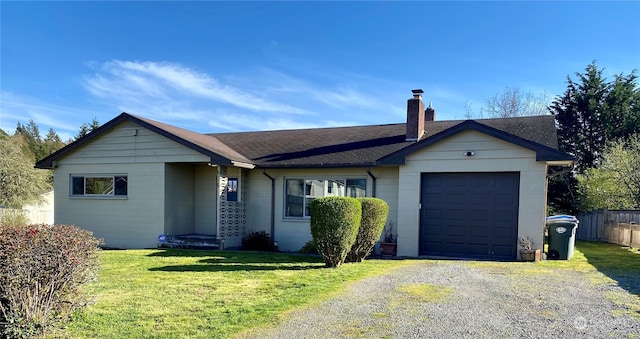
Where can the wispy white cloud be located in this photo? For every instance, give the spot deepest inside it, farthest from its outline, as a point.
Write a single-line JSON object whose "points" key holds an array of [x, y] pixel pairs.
{"points": [[264, 98], [253, 99], [16, 108], [159, 83]]}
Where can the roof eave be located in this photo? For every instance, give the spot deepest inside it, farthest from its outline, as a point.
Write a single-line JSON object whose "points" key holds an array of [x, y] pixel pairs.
{"points": [[543, 153], [48, 162], [303, 166]]}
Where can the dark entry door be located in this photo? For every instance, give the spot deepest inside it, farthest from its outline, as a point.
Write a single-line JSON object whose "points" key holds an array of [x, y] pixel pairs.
{"points": [[469, 214]]}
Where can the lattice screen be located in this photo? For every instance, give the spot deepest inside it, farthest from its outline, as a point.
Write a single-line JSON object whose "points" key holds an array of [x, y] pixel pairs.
{"points": [[232, 215]]}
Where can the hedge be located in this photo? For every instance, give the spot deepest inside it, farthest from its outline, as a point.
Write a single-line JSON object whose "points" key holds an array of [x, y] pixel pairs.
{"points": [[374, 217], [334, 226]]}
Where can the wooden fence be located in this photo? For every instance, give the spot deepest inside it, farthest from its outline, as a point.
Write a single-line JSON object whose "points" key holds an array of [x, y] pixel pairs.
{"points": [[617, 227]]}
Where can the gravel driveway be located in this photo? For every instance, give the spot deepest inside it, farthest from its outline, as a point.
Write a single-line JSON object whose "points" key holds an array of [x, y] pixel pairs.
{"points": [[501, 300]]}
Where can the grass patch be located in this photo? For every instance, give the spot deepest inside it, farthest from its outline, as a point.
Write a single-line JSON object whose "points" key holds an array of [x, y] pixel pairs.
{"points": [[206, 294], [214, 294], [427, 292]]}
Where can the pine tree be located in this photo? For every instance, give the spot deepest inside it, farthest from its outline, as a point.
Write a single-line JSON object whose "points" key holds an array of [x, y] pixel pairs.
{"points": [[87, 128], [591, 113]]}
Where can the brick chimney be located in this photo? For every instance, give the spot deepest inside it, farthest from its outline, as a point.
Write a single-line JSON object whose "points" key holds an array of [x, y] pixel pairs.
{"points": [[415, 116], [430, 113]]}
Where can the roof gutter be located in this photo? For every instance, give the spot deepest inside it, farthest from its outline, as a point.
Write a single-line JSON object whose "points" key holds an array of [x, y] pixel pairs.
{"points": [[242, 164], [273, 207], [561, 172]]}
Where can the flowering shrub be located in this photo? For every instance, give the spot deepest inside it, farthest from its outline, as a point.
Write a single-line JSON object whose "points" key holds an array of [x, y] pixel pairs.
{"points": [[42, 271]]}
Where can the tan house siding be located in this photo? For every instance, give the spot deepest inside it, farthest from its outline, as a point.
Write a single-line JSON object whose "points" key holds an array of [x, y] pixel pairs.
{"points": [[205, 199], [133, 222], [293, 233], [179, 204], [137, 220], [491, 155], [130, 143]]}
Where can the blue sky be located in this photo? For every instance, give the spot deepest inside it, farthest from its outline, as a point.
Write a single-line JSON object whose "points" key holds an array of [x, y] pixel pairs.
{"points": [[220, 66]]}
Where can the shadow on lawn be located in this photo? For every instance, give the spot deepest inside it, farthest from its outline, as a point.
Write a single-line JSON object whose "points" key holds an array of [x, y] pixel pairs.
{"points": [[217, 261], [233, 267], [616, 262]]}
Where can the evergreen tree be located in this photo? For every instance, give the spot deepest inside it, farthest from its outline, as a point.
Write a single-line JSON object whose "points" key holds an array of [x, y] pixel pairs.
{"points": [[591, 113], [87, 128], [31, 135], [52, 142], [20, 183]]}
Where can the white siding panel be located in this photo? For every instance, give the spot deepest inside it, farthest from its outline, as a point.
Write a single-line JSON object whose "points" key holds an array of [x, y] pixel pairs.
{"points": [[491, 155]]}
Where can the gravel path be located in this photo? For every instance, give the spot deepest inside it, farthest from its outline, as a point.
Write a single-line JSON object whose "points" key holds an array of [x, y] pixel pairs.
{"points": [[497, 301]]}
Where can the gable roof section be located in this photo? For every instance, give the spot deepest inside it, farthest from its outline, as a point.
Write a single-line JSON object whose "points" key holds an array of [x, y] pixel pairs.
{"points": [[220, 153], [544, 152], [356, 146], [382, 144]]}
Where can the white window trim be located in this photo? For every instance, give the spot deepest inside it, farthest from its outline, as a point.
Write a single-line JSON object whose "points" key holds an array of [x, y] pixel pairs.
{"points": [[306, 218], [97, 196]]}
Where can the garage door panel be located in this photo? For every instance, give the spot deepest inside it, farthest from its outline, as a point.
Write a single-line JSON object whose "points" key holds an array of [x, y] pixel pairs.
{"points": [[456, 230], [478, 232], [454, 248], [433, 248], [478, 215], [469, 214], [478, 249], [502, 251]]}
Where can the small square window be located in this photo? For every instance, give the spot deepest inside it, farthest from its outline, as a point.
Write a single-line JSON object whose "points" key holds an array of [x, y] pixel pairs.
{"points": [[232, 189]]}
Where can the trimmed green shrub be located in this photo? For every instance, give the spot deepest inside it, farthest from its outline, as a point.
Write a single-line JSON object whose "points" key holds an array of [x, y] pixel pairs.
{"points": [[334, 227], [374, 217], [42, 272], [309, 248], [257, 241]]}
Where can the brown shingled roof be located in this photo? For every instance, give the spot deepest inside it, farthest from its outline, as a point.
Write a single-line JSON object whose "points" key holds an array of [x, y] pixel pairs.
{"points": [[362, 145], [336, 147]]}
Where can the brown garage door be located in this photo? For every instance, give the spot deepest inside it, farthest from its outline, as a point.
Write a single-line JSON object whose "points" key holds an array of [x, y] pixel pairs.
{"points": [[469, 214]]}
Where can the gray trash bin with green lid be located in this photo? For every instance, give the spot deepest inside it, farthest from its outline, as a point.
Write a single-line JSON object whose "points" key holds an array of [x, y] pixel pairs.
{"points": [[562, 236]]}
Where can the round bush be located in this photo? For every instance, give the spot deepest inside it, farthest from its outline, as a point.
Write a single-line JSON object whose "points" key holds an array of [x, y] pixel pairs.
{"points": [[374, 217], [334, 226]]}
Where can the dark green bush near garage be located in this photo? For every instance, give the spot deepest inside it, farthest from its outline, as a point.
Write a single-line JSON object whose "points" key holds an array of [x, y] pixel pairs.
{"points": [[374, 217], [334, 227]]}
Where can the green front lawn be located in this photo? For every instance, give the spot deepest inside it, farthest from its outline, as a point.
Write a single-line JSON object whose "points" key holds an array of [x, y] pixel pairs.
{"points": [[205, 294]]}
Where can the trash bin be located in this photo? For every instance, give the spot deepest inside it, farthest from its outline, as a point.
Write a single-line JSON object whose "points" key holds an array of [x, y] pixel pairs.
{"points": [[561, 236]]}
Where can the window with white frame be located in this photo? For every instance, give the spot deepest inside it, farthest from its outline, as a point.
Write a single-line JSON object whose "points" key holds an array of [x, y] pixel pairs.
{"points": [[99, 185], [299, 193]]}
